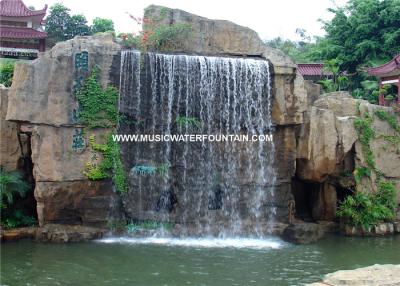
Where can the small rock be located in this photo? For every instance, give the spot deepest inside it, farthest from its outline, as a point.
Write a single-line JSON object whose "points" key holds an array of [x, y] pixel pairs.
{"points": [[303, 233], [396, 227], [68, 233]]}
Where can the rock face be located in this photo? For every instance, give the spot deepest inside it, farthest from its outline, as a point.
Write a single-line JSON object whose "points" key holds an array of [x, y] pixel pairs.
{"points": [[329, 150], [47, 84], [219, 37], [42, 100], [375, 275], [10, 149]]}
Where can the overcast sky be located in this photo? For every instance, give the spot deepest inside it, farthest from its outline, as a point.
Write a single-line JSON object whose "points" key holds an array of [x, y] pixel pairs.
{"points": [[270, 18]]}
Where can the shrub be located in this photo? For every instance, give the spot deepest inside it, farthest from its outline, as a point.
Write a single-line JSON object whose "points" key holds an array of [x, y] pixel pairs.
{"points": [[6, 72], [11, 183], [364, 210]]}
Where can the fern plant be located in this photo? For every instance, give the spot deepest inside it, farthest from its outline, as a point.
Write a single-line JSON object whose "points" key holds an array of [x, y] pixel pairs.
{"points": [[11, 183]]}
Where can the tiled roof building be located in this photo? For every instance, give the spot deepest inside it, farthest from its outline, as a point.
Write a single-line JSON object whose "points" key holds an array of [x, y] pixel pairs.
{"points": [[21, 32], [313, 71]]}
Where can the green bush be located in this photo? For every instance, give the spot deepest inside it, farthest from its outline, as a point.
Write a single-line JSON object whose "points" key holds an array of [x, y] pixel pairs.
{"points": [[364, 210], [12, 184], [169, 37], [6, 72]]}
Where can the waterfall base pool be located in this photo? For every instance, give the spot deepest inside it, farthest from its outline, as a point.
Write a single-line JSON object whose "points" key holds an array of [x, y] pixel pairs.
{"points": [[189, 262]]}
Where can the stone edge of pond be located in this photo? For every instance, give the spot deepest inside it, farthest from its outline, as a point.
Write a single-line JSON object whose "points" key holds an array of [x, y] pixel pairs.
{"points": [[385, 274], [57, 233]]}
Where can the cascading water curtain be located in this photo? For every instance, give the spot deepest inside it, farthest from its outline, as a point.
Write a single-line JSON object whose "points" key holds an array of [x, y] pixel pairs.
{"points": [[219, 188]]}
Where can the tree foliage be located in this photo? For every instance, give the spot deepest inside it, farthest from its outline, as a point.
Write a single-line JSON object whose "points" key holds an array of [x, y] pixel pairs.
{"points": [[61, 25], [361, 33], [101, 25]]}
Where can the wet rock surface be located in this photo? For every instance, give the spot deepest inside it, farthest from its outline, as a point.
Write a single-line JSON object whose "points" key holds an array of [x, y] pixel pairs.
{"points": [[58, 233], [303, 233]]}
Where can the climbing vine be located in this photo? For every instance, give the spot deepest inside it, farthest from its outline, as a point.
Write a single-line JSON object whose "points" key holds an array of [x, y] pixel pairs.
{"points": [[97, 106], [109, 166], [98, 109]]}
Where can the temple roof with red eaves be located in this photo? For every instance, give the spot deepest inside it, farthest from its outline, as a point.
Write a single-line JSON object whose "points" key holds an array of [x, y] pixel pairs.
{"points": [[21, 33], [16, 8], [386, 69], [312, 69]]}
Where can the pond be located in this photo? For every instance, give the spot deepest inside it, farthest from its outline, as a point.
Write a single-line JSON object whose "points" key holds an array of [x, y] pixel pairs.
{"points": [[190, 261]]}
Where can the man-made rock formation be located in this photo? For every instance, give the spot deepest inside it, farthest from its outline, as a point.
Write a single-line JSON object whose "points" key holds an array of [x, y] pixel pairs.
{"points": [[42, 100], [303, 233], [316, 144], [53, 233], [10, 148], [375, 275], [329, 150], [44, 90], [220, 37], [216, 37]]}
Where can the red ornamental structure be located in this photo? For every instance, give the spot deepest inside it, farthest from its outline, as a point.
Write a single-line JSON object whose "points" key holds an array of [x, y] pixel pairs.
{"points": [[388, 74], [313, 71], [21, 30]]}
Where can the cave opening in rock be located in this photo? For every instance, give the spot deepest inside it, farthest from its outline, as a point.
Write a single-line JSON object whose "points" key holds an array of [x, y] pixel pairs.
{"points": [[26, 204], [317, 201]]}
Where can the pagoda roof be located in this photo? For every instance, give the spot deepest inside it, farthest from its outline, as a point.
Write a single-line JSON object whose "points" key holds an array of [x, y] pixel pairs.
{"points": [[21, 33], [17, 8], [312, 69], [386, 69]]}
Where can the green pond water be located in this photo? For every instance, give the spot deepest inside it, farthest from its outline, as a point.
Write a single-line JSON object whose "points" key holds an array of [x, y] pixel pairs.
{"points": [[189, 262]]}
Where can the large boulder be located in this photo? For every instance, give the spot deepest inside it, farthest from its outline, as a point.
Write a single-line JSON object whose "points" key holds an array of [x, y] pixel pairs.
{"points": [[208, 37]]}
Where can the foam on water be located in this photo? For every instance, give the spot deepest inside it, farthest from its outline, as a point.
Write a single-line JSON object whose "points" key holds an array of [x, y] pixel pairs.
{"points": [[211, 242]]}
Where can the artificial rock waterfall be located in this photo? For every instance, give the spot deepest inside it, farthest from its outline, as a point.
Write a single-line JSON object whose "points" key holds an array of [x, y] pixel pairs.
{"points": [[224, 80], [217, 187]]}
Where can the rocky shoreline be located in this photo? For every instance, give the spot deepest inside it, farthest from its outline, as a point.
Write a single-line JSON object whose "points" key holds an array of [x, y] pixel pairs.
{"points": [[375, 275]]}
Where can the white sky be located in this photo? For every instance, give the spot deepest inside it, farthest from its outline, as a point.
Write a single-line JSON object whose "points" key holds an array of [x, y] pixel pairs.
{"points": [[270, 18]]}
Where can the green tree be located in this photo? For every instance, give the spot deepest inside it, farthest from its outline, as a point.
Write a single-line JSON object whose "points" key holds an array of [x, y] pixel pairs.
{"points": [[77, 26], [57, 23], [61, 26], [361, 33], [102, 25]]}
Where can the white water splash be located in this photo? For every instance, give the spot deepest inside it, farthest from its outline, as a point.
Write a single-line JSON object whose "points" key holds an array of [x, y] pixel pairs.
{"points": [[246, 243]]}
